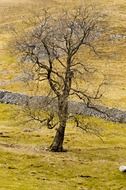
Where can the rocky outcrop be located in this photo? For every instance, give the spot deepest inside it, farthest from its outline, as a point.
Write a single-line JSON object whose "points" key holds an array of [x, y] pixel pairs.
{"points": [[112, 114]]}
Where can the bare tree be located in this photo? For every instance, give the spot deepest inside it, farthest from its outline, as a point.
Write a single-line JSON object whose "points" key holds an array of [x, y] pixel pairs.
{"points": [[53, 45]]}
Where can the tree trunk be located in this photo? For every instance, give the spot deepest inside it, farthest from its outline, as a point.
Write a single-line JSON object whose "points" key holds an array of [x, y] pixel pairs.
{"points": [[57, 144]]}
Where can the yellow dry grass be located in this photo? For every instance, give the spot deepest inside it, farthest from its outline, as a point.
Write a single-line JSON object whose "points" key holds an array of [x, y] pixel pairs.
{"points": [[112, 63]]}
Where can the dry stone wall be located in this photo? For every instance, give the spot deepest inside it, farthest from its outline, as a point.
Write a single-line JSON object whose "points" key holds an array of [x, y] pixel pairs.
{"points": [[112, 114]]}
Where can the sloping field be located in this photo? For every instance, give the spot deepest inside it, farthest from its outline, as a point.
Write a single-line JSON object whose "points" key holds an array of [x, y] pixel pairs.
{"points": [[89, 164], [112, 62]]}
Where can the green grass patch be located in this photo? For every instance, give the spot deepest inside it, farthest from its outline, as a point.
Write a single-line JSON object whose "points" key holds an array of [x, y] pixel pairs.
{"points": [[89, 162]]}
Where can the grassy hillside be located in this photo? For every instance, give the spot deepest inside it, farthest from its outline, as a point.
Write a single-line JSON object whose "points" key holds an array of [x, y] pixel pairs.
{"points": [[89, 164], [112, 62]]}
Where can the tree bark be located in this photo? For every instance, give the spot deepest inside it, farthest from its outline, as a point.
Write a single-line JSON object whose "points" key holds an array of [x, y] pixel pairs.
{"points": [[57, 144]]}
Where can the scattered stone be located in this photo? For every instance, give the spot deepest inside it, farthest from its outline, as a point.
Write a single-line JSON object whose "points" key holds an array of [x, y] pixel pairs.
{"points": [[44, 179], [11, 168], [85, 176], [122, 168], [5, 136], [33, 173]]}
